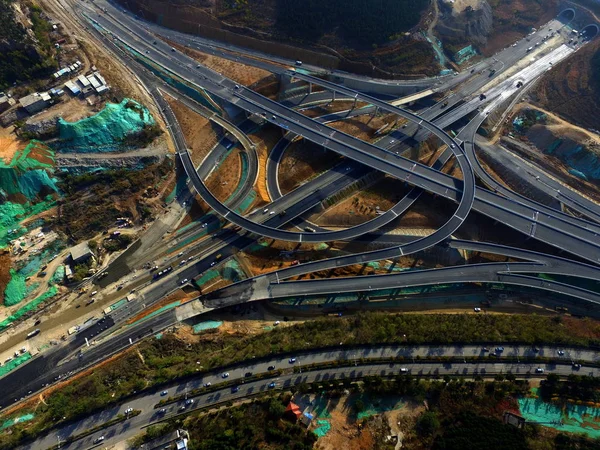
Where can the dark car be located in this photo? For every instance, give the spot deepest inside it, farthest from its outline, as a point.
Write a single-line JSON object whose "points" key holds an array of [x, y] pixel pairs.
{"points": [[248, 374], [235, 389], [271, 368]]}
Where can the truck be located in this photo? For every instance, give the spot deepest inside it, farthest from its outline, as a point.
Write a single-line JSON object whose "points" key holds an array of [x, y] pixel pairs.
{"points": [[219, 256], [33, 333]]}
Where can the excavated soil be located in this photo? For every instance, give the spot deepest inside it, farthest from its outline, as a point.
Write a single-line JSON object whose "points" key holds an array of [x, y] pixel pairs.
{"points": [[201, 135], [225, 179], [303, 161], [365, 127], [241, 73], [363, 205]]}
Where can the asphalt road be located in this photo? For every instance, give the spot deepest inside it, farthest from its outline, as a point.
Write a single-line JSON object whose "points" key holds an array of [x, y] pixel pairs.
{"points": [[359, 356], [562, 234]]}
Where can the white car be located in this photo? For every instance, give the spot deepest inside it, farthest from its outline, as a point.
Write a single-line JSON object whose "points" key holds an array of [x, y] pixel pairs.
{"points": [[477, 309], [539, 370], [99, 439], [128, 410], [185, 280], [225, 375], [277, 322]]}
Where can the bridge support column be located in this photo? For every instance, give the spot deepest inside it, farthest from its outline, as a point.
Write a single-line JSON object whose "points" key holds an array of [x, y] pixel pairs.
{"points": [[355, 102], [310, 88], [333, 96]]}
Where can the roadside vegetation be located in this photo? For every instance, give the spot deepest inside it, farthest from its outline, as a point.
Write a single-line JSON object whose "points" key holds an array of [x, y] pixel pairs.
{"points": [[169, 358], [449, 414], [255, 425], [24, 59], [93, 201], [356, 21]]}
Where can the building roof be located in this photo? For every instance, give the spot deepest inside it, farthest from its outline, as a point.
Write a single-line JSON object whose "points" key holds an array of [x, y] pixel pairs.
{"points": [[31, 99], [83, 80], [294, 409], [72, 87], [80, 251]]}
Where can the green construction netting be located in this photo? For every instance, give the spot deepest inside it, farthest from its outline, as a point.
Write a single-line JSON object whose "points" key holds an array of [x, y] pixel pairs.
{"points": [[570, 418], [11, 365], [10, 422], [58, 276], [13, 213], [27, 173], [105, 131], [16, 290], [208, 325], [157, 312], [323, 428], [372, 407]]}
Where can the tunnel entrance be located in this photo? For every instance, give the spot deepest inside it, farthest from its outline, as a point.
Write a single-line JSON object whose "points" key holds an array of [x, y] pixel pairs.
{"points": [[590, 31], [566, 15]]}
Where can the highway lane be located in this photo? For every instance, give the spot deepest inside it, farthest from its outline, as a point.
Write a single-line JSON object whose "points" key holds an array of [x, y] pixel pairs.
{"points": [[562, 235], [274, 63], [357, 357], [410, 169], [272, 285], [541, 180]]}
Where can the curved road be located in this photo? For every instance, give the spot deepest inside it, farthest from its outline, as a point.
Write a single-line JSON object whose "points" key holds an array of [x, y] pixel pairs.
{"points": [[363, 361]]}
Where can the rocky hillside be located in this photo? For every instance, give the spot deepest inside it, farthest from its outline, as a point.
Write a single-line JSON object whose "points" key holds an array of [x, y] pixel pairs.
{"points": [[490, 24], [352, 35], [572, 88], [27, 52]]}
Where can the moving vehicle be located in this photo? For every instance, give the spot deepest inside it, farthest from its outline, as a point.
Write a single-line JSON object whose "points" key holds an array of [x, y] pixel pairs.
{"points": [[33, 333], [271, 368], [225, 375], [98, 439], [163, 393], [539, 370], [292, 360], [298, 62]]}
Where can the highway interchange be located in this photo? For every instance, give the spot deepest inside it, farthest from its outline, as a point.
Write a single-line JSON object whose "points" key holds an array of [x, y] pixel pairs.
{"points": [[574, 235]]}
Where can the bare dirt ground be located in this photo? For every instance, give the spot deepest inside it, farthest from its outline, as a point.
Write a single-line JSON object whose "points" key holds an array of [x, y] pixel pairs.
{"points": [[281, 254], [362, 205], [301, 162], [241, 73], [5, 264], [224, 180], [349, 433], [200, 133], [365, 127], [337, 106], [560, 126], [9, 144], [71, 110], [516, 14]]}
